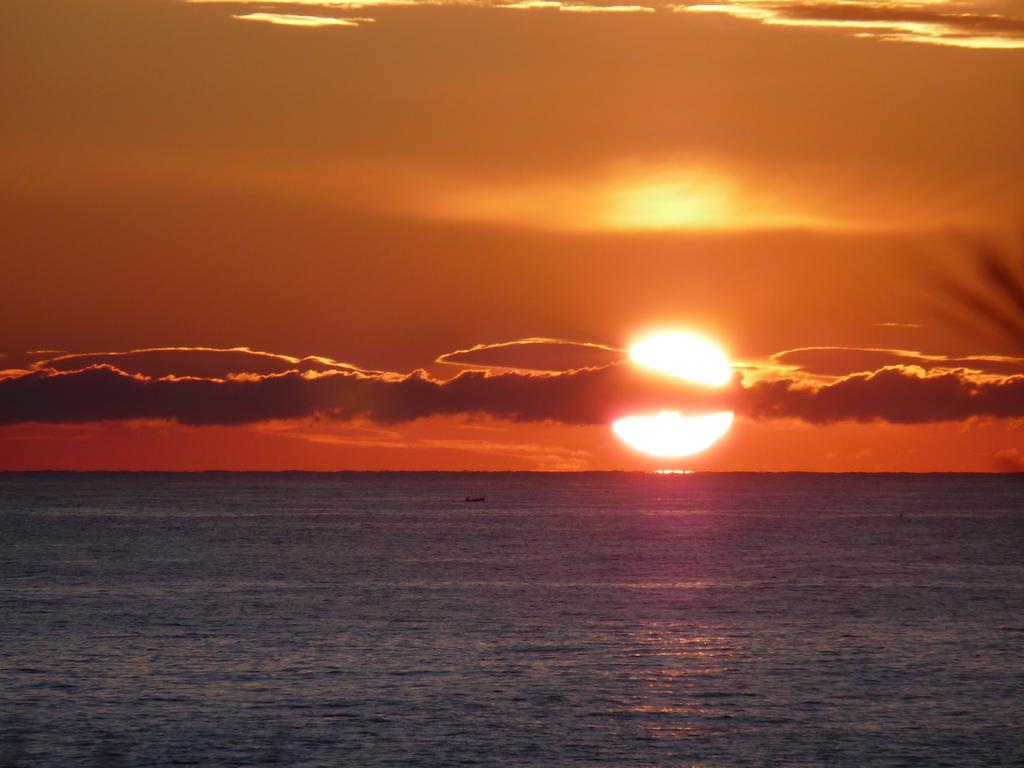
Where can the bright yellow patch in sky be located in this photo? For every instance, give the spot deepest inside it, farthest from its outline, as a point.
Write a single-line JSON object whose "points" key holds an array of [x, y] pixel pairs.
{"points": [[630, 198]]}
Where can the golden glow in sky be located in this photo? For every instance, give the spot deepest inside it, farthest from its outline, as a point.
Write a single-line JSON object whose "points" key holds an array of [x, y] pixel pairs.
{"points": [[629, 197], [669, 433], [537, 177]]}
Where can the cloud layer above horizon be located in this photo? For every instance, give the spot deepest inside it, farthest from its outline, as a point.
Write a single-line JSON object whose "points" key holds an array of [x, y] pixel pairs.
{"points": [[242, 386]]}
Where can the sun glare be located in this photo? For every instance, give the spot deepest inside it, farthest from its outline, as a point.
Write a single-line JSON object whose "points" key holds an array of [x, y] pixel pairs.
{"points": [[685, 356], [670, 434]]}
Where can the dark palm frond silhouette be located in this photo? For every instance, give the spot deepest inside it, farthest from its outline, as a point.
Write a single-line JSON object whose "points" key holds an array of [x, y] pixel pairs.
{"points": [[993, 303]]}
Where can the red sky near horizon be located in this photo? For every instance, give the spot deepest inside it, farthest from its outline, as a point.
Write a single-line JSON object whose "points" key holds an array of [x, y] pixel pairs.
{"points": [[358, 188]]}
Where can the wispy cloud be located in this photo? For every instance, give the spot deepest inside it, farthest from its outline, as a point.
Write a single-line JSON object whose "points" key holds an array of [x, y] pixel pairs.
{"points": [[543, 456], [196, 362], [295, 20], [279, 8], [843, 361], [557, 5], [909, 22], [329, 5], [533, 354], [960, 24]]}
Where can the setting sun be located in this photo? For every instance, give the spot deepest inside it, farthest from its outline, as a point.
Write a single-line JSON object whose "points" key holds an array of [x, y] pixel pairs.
{"points": [[670, 434], [512, 382], [685, 356]]}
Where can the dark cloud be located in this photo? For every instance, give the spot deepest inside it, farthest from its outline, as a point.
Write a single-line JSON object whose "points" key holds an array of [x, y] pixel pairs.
{"points": [[203, 362], [842, 361], [100, 393], [896, 394]]}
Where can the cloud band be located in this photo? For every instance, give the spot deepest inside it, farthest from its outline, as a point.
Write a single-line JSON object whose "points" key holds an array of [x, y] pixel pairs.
{"points": [[899, 394]]}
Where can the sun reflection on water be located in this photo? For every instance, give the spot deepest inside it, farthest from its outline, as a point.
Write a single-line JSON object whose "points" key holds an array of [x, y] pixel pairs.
{"points": [[677, 698]]}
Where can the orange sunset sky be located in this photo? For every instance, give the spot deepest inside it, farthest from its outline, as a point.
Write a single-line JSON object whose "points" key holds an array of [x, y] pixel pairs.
{"points": [[298, 234]]}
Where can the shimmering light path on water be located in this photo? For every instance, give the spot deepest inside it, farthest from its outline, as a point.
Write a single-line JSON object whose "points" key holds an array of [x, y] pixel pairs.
{"points": [[606, 619]]}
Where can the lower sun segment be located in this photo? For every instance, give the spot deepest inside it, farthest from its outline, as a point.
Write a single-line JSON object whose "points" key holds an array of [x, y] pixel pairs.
{"points": [[670, 434]]}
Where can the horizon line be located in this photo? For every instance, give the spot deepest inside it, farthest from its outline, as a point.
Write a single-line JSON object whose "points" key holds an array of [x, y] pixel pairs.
{"points": [[663, 473]]}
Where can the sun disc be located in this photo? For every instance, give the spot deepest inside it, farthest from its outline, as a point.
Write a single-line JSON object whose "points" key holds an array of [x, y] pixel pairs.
{"points": [[670, 434], [684, 356]]}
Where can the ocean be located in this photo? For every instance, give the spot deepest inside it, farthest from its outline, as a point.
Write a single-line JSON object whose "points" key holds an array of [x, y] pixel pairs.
{"points": [[607, 619]]}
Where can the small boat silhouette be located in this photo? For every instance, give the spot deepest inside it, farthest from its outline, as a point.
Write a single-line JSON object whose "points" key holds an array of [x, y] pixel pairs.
{"points": [[476, 498]]}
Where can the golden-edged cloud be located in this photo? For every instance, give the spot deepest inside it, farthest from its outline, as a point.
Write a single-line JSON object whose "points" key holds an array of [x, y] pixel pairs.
{"points": [[194, 362], [296, 20], [931, 23], [95, 391], [534, 354], [569, 7], [327, 5], [843, 361], [279, 15]]}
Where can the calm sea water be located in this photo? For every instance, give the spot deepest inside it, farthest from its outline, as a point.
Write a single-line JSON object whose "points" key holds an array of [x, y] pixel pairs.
{"points": [[583, 619]]}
